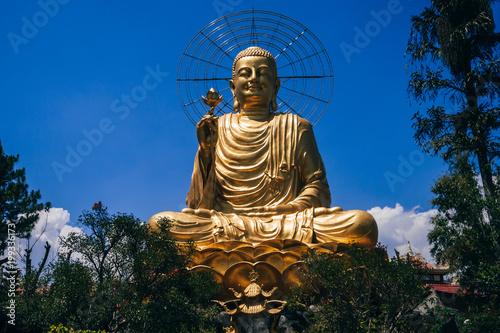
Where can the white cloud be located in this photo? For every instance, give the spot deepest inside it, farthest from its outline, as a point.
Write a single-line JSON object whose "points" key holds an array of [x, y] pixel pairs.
{"points": [[396, 227], [49, 227]]}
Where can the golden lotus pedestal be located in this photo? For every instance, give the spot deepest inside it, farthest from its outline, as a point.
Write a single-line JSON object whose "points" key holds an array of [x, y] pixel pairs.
{"points": [[256, 277]]}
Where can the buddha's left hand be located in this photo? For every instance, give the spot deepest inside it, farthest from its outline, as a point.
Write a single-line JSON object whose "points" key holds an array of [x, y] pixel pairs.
{"points": [[271, 211]]}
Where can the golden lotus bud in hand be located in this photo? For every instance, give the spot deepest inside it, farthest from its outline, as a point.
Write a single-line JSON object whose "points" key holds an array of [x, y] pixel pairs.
{"points": [[213, 99]]}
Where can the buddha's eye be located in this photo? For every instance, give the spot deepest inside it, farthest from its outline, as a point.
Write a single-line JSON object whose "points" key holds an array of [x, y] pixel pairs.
{"points": [[264, 71], [244, 72]]}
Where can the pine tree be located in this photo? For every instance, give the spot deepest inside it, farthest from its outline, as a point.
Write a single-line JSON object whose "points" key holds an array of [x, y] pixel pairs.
{"points": [[18, 205]]}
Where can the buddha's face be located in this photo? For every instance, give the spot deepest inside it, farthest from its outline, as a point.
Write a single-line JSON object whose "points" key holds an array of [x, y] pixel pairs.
{"points": [[255, 83]]}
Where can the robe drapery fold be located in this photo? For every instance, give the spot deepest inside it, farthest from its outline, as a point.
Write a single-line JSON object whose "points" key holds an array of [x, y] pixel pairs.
{"points": [[265, 164]]}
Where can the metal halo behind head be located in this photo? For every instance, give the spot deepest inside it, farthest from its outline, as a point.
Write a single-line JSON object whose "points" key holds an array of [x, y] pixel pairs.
{"points": [[304, 66]]}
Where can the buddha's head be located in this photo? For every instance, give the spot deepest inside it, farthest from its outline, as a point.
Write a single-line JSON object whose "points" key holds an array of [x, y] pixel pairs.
{"points": [[255, 82]]}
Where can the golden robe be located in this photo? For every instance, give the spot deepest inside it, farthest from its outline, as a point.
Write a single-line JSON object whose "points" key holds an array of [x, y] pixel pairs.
{"points": [[265, 164]]}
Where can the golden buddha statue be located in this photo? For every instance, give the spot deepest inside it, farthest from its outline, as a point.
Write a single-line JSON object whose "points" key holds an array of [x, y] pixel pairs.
{"points": [[258, 175]]}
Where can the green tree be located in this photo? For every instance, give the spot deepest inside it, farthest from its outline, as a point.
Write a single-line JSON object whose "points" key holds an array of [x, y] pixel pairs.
{"points": [[165, 293], [361, 291], [58, 297], [458, 237], [18, 205], [454, 48], [142, 280], [110, 243]]}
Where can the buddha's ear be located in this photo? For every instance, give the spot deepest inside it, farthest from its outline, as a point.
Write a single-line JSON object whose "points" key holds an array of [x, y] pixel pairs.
{"points": [[274, 103], [236, 104], [232, 86], [277, 86]]}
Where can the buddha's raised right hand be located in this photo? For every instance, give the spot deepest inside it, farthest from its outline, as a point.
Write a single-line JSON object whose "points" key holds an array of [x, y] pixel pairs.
{"points": [[206, 130]]}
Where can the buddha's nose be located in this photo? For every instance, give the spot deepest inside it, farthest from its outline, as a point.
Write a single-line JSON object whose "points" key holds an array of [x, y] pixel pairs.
{"points": [[253, 77]]}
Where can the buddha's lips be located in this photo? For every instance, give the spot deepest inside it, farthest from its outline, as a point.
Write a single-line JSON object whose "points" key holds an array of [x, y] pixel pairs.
{"points": [[254, 88]]}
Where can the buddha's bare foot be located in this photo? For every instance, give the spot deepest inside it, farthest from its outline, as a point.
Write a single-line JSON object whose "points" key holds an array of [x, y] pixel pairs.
{"points": [[325, 211], [198, 212]]}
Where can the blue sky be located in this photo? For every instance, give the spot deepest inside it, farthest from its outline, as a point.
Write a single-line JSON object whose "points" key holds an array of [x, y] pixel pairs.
{"points": [[60, 80]]}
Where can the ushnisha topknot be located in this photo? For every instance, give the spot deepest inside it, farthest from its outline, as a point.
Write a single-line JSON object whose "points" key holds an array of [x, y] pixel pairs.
{"points": [[255, 51]]}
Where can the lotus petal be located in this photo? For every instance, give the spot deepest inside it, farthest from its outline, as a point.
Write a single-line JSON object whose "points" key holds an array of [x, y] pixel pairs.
{"points": [[222, 260], [257, 250], [293, 276], [280, 260], [286, 245], [226, 245], [218, 276]]}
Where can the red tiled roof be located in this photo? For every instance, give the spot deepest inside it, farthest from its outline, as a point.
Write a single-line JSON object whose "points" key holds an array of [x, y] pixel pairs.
{"points": [[451, 288], [447, 288], [432, 269]]}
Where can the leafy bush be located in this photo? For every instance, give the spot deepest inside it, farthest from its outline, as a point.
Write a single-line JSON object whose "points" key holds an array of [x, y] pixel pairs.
{"points": [[360, 290]]}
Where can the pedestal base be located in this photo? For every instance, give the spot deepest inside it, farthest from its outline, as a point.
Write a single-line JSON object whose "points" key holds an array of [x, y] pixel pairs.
{"points": [[255, 279]]}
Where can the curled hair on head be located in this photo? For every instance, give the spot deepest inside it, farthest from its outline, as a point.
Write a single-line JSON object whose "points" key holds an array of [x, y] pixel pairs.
{"points": [[255, 51]]}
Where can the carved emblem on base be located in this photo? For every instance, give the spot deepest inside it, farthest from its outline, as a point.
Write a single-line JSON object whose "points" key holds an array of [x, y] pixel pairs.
{"points": [[255, 278]]}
